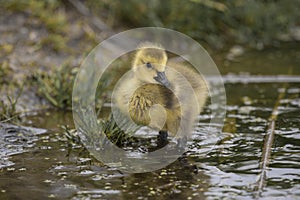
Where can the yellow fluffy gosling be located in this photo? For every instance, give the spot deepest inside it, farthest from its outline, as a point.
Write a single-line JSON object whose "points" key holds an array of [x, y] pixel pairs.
{"points": [[161, 94]]}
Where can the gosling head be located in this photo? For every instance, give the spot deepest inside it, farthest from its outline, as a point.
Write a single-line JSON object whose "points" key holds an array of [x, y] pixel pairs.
{"points": [[150, 63]]}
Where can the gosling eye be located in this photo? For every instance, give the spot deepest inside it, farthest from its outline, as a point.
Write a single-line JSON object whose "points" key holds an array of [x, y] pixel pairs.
{"points": [[148, 65]]}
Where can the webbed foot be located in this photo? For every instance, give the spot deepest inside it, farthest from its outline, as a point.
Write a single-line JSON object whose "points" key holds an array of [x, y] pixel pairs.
{"points": [[162, 138]]}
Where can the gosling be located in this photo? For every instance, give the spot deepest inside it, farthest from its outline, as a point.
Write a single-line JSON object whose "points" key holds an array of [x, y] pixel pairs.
{"points": [[161, 94]]}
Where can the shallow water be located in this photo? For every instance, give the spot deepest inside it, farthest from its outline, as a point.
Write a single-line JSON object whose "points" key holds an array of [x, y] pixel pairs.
{"points": [[229, 169]]}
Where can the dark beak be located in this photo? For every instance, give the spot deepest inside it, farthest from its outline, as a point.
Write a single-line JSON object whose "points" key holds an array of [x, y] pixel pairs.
{"points": [[162, 79]]}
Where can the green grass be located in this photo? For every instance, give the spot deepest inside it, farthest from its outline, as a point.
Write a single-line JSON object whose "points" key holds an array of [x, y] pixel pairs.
{"points": [[56, 87], [54, 41], [108, 127], [8, 109], [5, 73], [115, 134]]}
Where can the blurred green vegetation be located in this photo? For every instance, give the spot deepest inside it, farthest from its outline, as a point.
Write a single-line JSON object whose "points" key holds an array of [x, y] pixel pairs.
{"points": [[217, 23], [8, 108], [50, 14], [56, 87], [115, 134], [4, 73]]}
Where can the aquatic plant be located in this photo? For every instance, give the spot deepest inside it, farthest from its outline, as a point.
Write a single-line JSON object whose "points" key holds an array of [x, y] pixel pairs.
{"points": [[109, 127], [114, 133], [8, 109]]}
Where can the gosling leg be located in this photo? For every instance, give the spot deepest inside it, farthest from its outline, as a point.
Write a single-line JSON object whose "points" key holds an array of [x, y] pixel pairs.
{"points": [[162, 138]]}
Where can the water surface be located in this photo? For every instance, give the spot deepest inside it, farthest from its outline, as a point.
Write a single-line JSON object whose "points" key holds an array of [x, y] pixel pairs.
{"points": [[229, 169]]}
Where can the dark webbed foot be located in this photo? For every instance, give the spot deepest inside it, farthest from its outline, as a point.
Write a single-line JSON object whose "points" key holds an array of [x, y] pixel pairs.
{"points": [[162, 138]]}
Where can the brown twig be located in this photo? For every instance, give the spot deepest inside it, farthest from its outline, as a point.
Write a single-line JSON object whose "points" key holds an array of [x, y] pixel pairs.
{"points": [[268, 142]]}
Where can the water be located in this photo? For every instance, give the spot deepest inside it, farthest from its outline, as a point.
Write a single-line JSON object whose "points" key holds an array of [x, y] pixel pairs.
{"points": [[227, 170]]}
